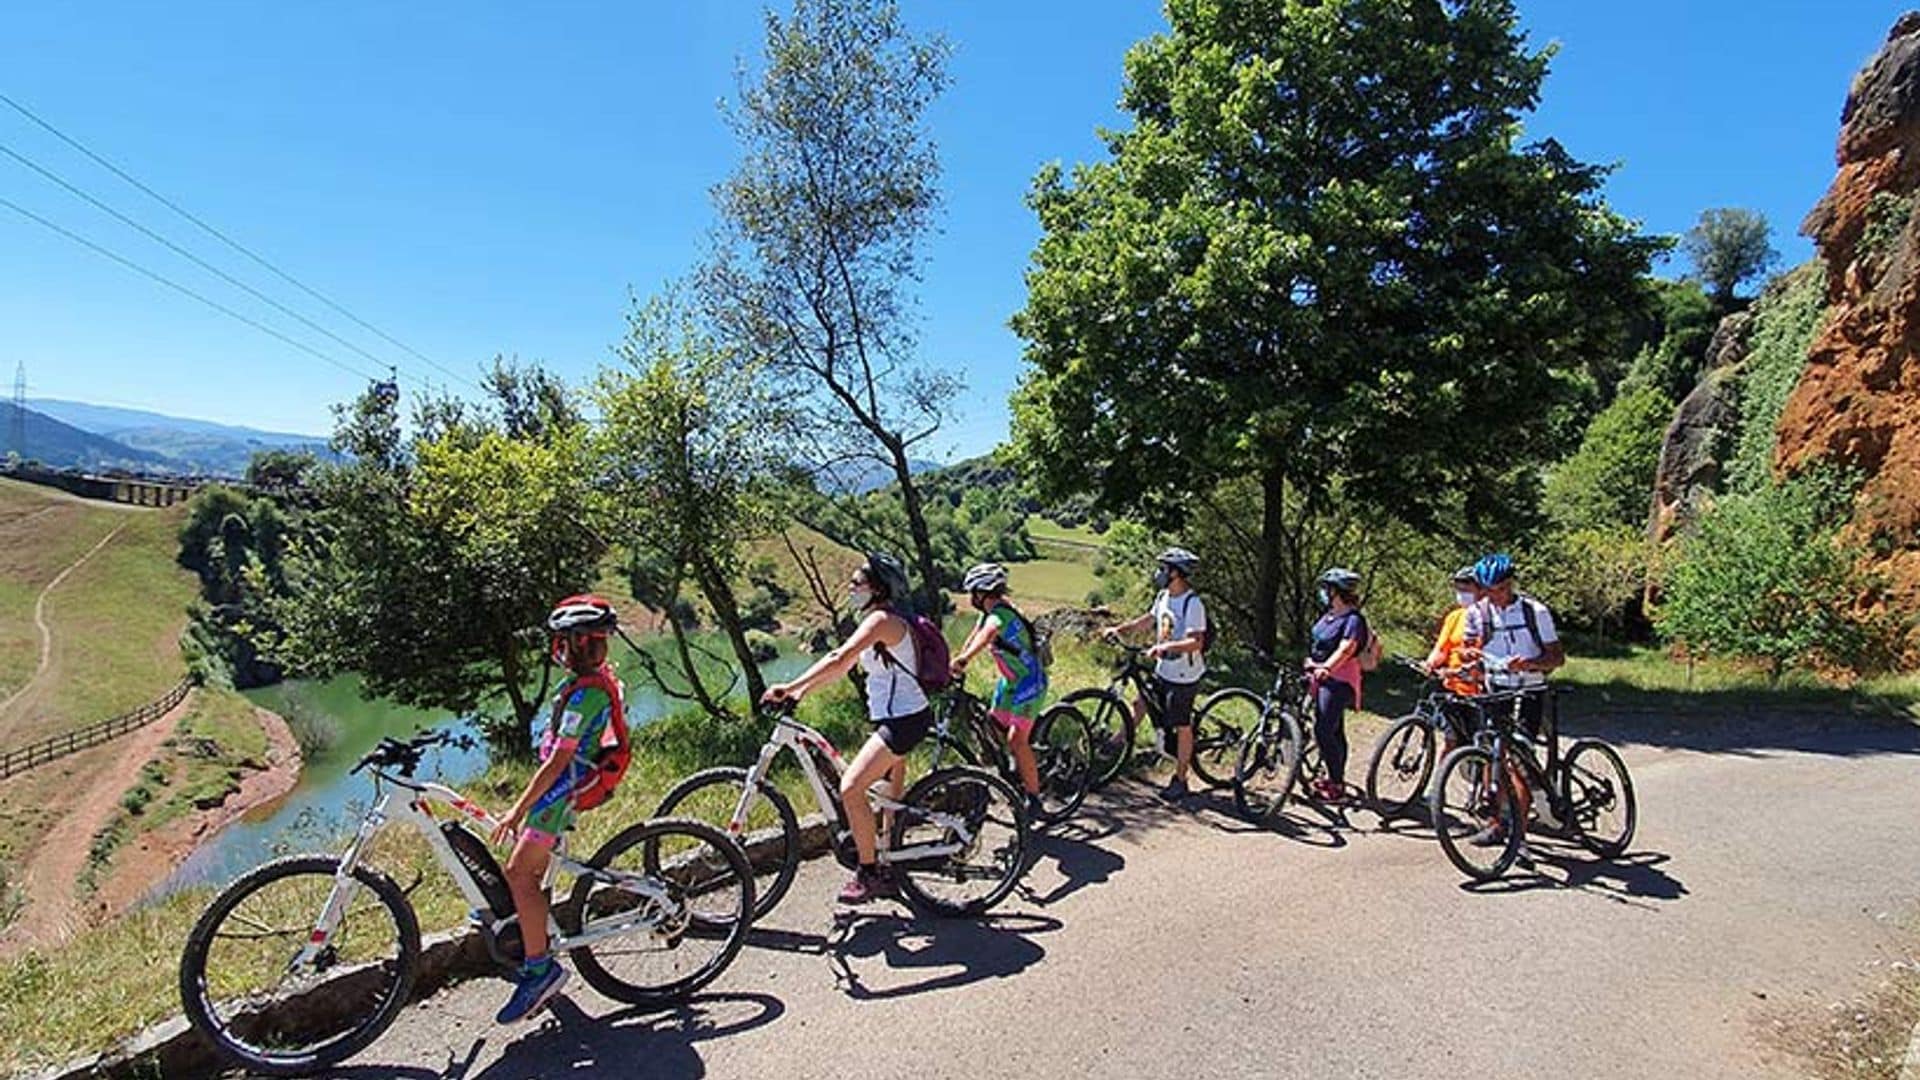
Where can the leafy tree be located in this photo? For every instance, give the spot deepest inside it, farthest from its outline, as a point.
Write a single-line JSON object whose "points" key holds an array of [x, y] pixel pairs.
{"points": [[426, 560], [1592, 575], [1763, 576], [690, 446], [1729, 247], [821, 226], [1671, 356], [1609, 480], [1321, 261], [279, 470], [236, 545]]}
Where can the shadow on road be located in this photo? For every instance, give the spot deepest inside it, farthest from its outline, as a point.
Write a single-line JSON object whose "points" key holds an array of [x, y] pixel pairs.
{"points": [[571, 1043], [1078, 860], [957, 951], [1636, 878]]}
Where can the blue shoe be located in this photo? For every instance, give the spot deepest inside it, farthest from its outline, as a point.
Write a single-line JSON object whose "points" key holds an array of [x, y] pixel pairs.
{"points": [[530, 992]]}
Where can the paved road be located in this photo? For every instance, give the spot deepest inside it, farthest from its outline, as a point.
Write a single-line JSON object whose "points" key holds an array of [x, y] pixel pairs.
{"points": [[1770, 873]]}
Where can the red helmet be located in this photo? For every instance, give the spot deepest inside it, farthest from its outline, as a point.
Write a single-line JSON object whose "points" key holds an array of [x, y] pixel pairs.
{"points": [[578, 618]]}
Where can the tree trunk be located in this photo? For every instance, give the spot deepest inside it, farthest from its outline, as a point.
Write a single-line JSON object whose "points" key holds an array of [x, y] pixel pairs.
{"points": [[719, 593], [930, 591], [513, 675], [1266, 589], [696, 685]]}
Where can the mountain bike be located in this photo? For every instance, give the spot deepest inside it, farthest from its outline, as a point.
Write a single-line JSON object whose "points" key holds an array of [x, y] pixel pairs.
{"points": [[1403, 757], [1278, 746], [1115, 728], [1475, 807], [957, 838], [1062, 744], [303, 962]]}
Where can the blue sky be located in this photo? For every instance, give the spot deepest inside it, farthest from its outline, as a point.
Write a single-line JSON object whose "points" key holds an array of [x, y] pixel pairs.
{"points": [[480, 178]]}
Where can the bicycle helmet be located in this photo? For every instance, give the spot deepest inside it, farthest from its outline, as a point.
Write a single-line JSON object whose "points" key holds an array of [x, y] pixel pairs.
{"points": [[1180, 559], [1464, 576], [1493, 570], [986, 577], [1342, 579], [575, 620], [888, 577]]}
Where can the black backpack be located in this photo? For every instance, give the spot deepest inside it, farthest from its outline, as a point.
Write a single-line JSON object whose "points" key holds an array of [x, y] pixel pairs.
{"points": [[1206, 632]]}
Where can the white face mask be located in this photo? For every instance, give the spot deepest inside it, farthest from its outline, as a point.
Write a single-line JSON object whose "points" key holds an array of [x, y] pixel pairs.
{"points": [[860, 597], [1464, 598]]}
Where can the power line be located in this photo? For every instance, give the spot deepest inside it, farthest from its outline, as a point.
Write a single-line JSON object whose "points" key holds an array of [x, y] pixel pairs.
{"points": [[196, 260], [231, 242], [182, 289]]}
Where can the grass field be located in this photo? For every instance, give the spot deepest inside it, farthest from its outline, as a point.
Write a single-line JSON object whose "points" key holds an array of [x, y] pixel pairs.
{"points": [[41, 533], [1042, 529], [1050, 583]]}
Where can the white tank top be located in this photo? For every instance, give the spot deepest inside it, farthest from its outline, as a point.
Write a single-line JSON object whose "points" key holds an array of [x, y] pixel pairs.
{"points": [[892, 689]]}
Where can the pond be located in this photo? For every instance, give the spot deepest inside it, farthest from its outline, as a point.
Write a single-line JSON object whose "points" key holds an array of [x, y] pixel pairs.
{"points": [[326, 802]]}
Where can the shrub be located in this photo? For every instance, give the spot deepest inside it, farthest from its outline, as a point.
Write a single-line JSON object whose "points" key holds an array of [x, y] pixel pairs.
{"points": [[1785, 319], [1764, 576], [1609, 480]]}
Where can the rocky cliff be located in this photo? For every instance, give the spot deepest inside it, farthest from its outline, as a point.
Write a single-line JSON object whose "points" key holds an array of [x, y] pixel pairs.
{"points": [[1857, 402]]}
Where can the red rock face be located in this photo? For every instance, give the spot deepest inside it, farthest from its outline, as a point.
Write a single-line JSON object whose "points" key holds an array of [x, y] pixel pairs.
{"points": [[1858, 402]]}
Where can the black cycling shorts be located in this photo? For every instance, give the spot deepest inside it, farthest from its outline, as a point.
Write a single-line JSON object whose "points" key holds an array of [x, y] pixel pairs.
{"points": [[903, 733], [1176, 701]]}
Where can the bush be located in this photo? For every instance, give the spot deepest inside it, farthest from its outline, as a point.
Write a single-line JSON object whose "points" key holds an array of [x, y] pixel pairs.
{"points": [[1592, 578], [763, 645], [1609, 480], [1763, 576]]}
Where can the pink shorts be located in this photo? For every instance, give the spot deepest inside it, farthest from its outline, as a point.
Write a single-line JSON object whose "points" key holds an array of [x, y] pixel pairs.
{"points": [[1021, 724]]}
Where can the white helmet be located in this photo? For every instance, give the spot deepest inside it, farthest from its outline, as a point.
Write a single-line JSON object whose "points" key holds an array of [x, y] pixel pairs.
{"points": [[986, 577]]}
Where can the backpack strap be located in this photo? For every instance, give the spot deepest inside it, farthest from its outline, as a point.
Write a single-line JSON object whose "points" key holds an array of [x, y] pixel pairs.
{"points": [[1532, 621]]}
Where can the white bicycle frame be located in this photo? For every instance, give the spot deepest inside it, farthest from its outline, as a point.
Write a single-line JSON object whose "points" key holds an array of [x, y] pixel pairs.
{"points": [[789, 733], [661, 914]]}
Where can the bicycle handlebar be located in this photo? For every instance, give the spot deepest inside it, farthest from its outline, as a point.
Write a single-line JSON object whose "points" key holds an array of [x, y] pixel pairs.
{"points": [[404, 754]]}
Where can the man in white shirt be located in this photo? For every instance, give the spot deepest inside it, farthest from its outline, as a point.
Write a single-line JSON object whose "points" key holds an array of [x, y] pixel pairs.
{"points": [[1518, 632], [1179, 620]]}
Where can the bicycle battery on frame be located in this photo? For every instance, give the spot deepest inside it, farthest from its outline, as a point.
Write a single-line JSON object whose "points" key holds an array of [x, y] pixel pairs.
{"points": [[480, 863]]}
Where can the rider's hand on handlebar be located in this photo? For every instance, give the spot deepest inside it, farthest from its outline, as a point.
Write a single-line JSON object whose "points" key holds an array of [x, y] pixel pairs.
{"points": [[1110, 633], [779, 694], [508, 830]]}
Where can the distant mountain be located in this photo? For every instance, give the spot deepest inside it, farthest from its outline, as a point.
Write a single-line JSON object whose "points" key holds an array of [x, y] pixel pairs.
{"points": [[196, 446], [862, 477], [64, 446]]}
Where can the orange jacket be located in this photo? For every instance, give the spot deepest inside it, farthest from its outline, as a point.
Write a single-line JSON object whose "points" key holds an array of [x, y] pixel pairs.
{"points": [[1449, 651]]}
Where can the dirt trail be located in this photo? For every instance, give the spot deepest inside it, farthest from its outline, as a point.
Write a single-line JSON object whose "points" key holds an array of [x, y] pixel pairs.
{"points": [[10, 717], [49, 878]]}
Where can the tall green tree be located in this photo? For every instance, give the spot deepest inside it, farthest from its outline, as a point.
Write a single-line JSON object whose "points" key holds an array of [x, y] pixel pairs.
{"points": [[821, 226], [425, 560], [1321, 256], [691, 444], [1729, 247]]}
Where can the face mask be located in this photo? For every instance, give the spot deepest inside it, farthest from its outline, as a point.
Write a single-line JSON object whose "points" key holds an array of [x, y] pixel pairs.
{"points": [[861, 597], [1464, 598], [1162, 578], [1326, 599]]}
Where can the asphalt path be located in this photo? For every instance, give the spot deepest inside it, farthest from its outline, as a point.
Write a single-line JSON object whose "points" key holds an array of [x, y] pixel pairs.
{"points": [[1775, 864]]}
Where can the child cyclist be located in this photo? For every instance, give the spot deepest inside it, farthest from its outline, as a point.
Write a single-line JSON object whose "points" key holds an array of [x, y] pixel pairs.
{"points": [[583, 752], [1023, 681]]}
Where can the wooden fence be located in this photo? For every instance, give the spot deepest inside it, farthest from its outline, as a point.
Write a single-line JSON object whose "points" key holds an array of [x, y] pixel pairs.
{"points": [[59, 746]]}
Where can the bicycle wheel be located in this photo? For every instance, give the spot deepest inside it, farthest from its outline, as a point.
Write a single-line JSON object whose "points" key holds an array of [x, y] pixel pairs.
{"points": [[979, 816], [1401, 765], [661, 948], [771, 837], [1220, 724], [241, 990], [1474, 815], [1111, 724], [1267, 766], [1599, 798], [1063, 753]]}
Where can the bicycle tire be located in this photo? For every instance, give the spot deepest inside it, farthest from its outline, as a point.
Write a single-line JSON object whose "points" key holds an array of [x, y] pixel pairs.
{"points": [[1598, 793], [1064, 761], [731, 931], [1267, 768], [782, 855], [1411, 776], [1458, 813], [959, 789], [1216, 739], [1114, 727], [280, 1061]]}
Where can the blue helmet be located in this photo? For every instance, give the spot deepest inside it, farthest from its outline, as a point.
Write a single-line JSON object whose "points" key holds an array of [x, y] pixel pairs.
{"points": [[1493, 569]]}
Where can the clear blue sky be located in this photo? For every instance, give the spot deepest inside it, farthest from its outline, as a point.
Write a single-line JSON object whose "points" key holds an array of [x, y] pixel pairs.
{"points": [[478, 178]]}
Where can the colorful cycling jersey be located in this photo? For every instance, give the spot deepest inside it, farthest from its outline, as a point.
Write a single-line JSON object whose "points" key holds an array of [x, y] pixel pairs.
{"points": [[584, 720], [1023, 681]]}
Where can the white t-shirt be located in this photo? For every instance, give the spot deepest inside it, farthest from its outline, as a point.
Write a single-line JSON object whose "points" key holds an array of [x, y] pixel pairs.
{"points": [[1176, 618], [1510, 638], [892, 689]]}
